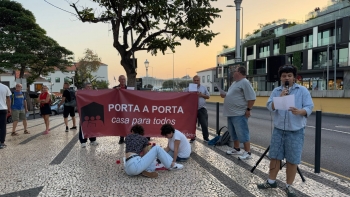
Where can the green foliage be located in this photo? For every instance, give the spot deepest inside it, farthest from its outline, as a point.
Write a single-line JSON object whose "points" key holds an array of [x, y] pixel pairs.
{"points": [[297, 59], [251, 67], [257, 40], [86, 66], [25, 45], [184, 84], [168, 84], [100, 84], [256, 31], [282, 45], [157, 25]]}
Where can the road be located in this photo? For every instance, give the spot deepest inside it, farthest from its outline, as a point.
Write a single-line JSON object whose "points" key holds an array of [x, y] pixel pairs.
{"points": [[335, 142]]}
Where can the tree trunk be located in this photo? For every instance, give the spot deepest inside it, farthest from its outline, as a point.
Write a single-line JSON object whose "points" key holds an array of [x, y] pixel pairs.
{"points": [[127, 64], [21, 73]]}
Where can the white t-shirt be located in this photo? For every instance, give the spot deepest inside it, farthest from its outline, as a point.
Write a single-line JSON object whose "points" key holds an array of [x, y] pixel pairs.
{"points": [[4, 92], [184, 147]]}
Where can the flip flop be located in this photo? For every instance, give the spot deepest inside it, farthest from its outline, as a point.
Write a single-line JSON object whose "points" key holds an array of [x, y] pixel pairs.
{"points": [[26, 132], [14, 134]]}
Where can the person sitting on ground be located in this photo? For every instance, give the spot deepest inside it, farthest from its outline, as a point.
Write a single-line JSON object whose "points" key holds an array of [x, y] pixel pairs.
{"points": [[178, 146], [135, 164]]}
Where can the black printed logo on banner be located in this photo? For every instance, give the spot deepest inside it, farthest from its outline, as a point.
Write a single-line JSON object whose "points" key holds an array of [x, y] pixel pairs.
{"points": [[92, 115]]}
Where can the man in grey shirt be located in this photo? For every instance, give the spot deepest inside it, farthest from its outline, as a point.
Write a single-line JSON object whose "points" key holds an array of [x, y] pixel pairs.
{"points": [[202, 113], [238, 103]]}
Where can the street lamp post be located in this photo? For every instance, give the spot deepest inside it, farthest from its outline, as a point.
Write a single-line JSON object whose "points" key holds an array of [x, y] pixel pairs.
{"points": [[238, 40], [173, 70], [146, 65]]}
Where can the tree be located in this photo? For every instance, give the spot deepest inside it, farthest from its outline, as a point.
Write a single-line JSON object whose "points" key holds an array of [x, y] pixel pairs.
{"points": [[25, 45], [152, 21], [100, 84], [184, 84], [85, 68], [168, 84]]}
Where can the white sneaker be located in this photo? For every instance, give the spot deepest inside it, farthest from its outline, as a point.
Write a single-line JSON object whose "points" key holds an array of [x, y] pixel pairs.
{"points": [[83, 145], [176, 167], [234, 152], [94, 143], [245, 156]]}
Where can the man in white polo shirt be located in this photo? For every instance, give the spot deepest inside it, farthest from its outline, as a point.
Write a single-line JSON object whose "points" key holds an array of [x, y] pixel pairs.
{"points": [[5, 107]]}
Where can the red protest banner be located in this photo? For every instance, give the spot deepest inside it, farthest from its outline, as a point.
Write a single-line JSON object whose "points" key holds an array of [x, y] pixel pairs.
{"points": [[113, 112]]}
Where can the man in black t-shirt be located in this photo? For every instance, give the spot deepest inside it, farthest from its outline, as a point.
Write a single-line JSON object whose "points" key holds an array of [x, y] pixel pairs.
{"points": [[67, 110]]}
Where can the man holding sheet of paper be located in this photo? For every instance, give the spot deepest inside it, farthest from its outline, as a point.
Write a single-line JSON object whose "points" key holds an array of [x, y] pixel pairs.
{"points": [[291, 104], [202, 114]]}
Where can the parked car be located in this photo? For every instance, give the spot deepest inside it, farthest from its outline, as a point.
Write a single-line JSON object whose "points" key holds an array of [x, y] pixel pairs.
{"points": [[54, 107], [9, 118]]}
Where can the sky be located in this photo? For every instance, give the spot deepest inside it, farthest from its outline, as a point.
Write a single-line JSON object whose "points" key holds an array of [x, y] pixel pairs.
{"points": [[76, 36]]}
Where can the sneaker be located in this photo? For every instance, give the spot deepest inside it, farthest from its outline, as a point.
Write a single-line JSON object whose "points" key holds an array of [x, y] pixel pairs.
{"points": [[267, 185], [83, 145], [206, 140], [3, 144], [234, 152], [73, 128], [245, 156], [192, 140], [290, 191], [176, 167], [94, 143], [67, 129], [150, 174]]}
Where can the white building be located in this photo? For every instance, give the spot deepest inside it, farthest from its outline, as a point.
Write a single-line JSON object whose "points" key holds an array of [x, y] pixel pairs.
{"points": [[56, 79], [207, 76]]}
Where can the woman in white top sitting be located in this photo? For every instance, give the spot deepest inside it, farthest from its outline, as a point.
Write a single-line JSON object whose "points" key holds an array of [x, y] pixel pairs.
{"points": [[178, 146]]}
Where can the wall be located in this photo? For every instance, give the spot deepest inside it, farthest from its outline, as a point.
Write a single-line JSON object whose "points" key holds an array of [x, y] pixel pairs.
{"points": [[206, 83], [327, 105]]}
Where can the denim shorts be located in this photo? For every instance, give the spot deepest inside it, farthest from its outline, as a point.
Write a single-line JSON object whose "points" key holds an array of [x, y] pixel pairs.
{"points": [[238, 128], [287, 144]]}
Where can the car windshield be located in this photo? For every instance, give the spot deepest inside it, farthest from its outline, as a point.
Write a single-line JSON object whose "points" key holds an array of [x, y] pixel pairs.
{"points": [[56, 102]]}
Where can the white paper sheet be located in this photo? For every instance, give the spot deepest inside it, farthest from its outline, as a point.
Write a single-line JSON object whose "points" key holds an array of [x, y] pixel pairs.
{"points": [[130, 88], [284, 102], [192, 87]]}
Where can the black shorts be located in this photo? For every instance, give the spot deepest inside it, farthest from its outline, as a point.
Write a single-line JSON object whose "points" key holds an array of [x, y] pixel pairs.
{"points": [[67, 110]]}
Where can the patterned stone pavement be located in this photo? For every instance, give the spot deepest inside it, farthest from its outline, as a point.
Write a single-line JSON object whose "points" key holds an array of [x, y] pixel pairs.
{"points": [[56, 165]]}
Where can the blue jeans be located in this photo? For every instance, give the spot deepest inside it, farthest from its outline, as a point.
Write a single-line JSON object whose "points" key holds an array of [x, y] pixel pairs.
{"points": [[202, 116], [178, 159], [136, 165], [238, 128]]}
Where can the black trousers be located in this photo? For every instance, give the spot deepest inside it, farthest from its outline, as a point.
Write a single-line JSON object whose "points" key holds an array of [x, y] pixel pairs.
{"points": [[82, 140], [3, 121], [202, 116]]}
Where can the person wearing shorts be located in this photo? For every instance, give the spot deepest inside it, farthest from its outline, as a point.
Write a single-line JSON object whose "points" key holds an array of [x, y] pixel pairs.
{"points": [[67, 110], [238, 103], [19, 109], [288, 134]]}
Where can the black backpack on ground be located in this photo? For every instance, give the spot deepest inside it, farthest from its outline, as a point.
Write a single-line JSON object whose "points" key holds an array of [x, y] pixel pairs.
{"points": [[224, 139]]}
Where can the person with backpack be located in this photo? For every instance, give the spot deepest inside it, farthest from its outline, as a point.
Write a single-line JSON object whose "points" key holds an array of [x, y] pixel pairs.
{"points": [[19, 109], [69, 100]]}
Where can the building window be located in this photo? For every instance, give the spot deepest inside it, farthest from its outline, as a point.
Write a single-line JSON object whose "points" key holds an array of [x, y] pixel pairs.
{"points": [[343, 57], [208, 88], [203, 79], [49, 79], [57, 80], [208, 78]]}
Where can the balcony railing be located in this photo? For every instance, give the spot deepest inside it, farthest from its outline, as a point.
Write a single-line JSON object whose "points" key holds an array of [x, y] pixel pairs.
{"points": [[264, 54], [261, 71], [276, 51], [229, 62], [325, 41], [322, 64], [343, 62], [250, 57], [298, 47]]}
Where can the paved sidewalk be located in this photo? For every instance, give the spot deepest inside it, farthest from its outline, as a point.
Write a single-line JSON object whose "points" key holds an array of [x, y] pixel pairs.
{"points": [[56, 165]]}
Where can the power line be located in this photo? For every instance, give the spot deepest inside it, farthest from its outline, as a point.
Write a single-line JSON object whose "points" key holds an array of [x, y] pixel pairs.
{"points": [[61, 8]]}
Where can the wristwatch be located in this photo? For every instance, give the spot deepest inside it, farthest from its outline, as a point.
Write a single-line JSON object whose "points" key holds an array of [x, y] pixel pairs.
{"points": [[248, 109]]}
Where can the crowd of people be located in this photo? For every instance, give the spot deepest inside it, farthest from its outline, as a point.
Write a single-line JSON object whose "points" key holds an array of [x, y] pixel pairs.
{"points": [[286, 141]]}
